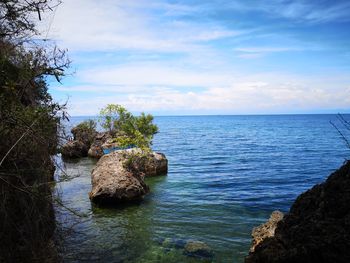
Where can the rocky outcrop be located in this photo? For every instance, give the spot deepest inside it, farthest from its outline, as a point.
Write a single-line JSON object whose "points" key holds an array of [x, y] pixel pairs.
{"points": [[265, 230], [74, 149], [96, 150], [79, 146], [317, 227], [115, 179], [83, 134]]}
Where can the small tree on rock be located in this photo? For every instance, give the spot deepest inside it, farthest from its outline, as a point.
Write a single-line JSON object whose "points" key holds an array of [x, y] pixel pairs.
{"points": [[127, 129]]}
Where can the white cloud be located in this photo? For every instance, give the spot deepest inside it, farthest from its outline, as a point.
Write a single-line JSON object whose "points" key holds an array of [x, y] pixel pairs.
{"points": [[259, 51], [300, 11], [154, 74], [173, 65], [116, 25], [250, 94], [100, 88]]}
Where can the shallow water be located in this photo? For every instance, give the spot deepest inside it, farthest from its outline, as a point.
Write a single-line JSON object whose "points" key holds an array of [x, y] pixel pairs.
{"points": [[226, 175]]}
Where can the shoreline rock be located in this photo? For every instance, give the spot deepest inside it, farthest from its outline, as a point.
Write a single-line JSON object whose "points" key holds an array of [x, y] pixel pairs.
{"points": [[317, 227], [266, 230]]}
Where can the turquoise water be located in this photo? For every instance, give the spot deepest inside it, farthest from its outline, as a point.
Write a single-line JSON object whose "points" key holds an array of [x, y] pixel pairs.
{"points": [[226, 175]]}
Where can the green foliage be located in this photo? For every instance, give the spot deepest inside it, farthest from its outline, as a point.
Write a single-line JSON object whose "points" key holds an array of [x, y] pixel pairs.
{"points": [[133, 138], [129, 129], [114, 117], [89, 125], [29, 125], [144, 124]]}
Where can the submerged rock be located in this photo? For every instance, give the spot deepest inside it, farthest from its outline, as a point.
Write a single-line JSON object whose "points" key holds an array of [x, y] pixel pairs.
{"points": [[116, 177], [74, 149], [317, 227], [266, 230], [198, 249], [173, 243]]}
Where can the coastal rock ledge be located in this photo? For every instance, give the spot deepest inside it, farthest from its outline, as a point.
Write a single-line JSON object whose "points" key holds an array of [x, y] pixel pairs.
{"points": [[119, 176], [265, 230], [316, 229]]}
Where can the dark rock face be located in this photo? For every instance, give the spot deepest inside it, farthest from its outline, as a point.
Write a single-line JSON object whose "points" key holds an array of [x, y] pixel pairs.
{"points": [[317, 228], [74, 149]]}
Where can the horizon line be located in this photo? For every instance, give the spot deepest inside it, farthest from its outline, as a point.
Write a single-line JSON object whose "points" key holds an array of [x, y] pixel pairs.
{"points": [[248, 114]]}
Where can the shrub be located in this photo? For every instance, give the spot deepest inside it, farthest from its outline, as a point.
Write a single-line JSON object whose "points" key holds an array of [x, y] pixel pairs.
{"points": [[128, 129], [89, 125], [114, 117]]}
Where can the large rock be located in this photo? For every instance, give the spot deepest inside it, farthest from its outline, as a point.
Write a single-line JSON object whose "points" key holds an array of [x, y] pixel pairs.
{"points": [[74, 149], [317, 227], [116, 179], [96, 150]]}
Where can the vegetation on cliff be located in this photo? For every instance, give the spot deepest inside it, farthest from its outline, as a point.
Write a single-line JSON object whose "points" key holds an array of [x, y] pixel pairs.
{"points": [[29, 122]]}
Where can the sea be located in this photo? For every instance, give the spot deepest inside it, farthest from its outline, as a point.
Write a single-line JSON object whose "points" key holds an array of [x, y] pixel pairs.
{"points": [[227, 174]]}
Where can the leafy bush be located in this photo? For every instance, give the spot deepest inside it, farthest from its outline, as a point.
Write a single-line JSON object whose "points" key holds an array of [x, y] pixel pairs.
{"points": [[127, 128], [89, 125], [114, 117]]}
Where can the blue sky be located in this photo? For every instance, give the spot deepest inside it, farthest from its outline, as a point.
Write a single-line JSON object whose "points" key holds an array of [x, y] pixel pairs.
{"points": [[204, 57]]}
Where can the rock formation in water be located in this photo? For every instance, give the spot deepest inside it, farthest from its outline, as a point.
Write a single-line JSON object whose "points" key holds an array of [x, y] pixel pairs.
{"points": [[84, 134], [79, 146], [74, 149], [119, 176], [316, 229], [96, 150]]}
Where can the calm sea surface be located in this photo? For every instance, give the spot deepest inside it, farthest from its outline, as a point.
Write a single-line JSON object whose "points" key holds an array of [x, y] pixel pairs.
{"points": [[226, 175]]}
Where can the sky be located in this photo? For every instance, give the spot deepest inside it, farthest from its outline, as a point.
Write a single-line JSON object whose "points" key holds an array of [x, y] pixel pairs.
{"points": [[196, 57]]}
